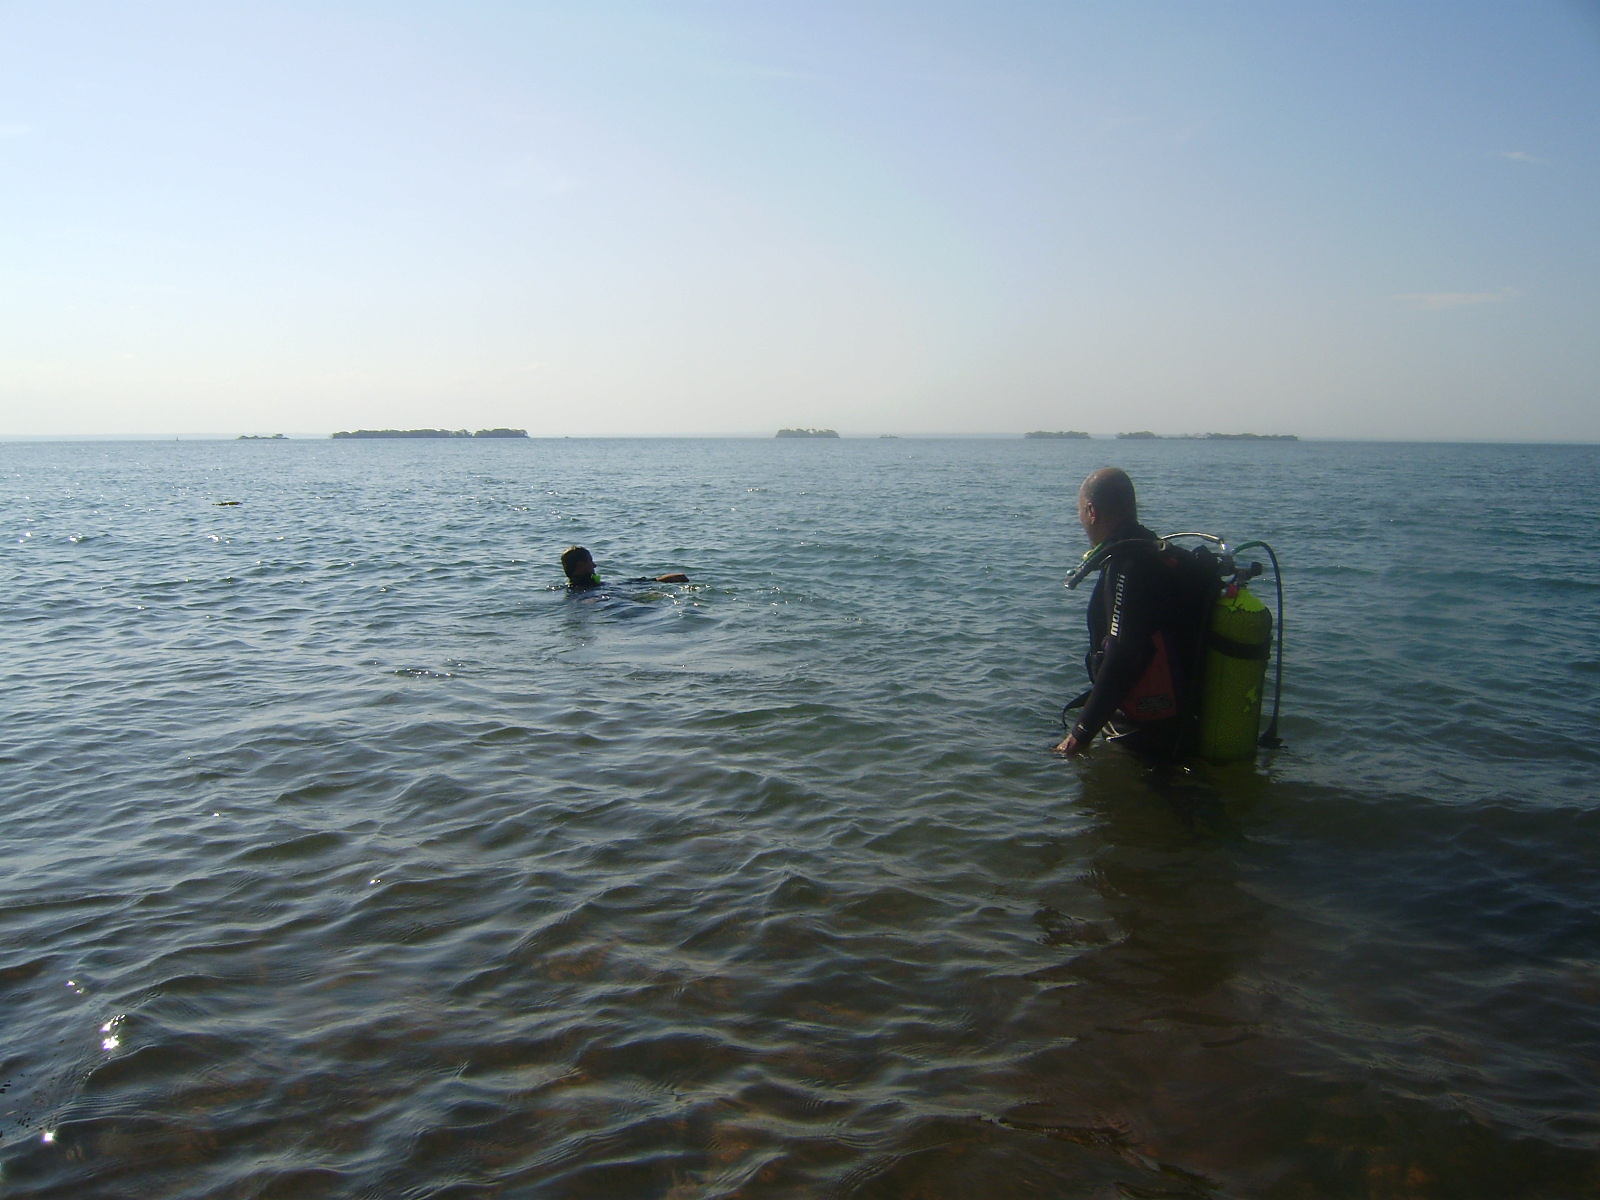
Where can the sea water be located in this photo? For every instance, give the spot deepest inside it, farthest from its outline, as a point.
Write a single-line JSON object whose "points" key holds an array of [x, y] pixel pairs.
{"points": [[349, 855]]}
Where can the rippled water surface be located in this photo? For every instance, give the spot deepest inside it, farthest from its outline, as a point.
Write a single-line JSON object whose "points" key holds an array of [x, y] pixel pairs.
{"points": [[348, 856]]}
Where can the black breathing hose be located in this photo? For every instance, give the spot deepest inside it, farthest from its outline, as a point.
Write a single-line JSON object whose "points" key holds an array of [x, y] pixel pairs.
{"points": [[1270, 739]]}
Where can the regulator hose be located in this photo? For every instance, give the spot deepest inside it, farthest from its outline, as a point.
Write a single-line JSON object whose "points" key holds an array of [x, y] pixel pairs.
{"points": [[1270, 739]]}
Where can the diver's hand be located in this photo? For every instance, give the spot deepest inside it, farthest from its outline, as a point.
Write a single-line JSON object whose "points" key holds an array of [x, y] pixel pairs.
{"points": [[1071, 747]]}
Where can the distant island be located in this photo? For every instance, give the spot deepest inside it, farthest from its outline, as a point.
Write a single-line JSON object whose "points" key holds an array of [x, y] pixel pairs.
{"points": [[1246, 437], [1063, 433], [431, 433], [1215, 437], [833, 433], [262, 437]]}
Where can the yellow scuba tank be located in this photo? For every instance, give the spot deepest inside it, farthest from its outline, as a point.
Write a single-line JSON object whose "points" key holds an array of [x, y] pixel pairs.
{"points": [[1238, 644]]}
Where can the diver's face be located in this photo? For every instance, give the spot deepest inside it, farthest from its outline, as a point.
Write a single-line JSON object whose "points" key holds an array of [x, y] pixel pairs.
{"points": [[583, 568], [1086, 515]]}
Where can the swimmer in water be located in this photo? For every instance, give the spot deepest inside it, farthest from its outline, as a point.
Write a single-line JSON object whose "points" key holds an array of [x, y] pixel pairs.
{"points": [[578, 564]]}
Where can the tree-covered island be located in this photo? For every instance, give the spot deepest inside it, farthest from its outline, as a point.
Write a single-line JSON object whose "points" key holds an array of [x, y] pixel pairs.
{"points": [[431, 433]]}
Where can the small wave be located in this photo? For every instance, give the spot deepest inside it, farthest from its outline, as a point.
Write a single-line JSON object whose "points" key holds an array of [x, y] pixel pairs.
{"points": [[310, 845]]}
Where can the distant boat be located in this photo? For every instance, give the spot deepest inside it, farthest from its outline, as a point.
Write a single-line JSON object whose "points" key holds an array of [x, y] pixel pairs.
{"points": [[808, 433]]}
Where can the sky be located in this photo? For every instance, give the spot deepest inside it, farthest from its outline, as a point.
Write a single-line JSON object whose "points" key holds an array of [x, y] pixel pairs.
{"points": [[1363, 218]]}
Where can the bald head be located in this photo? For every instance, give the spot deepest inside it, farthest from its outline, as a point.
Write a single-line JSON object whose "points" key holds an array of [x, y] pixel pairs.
{"points": [[1111, 491], [1106, 502]]}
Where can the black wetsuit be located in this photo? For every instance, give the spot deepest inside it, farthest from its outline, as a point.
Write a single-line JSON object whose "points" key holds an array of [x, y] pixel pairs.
{"points": [[1145, 620], [594, 581]]}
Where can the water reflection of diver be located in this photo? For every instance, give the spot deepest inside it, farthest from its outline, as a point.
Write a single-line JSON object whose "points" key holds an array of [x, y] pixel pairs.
{"points": [[578, 564], [1167, 872], [1162, 1033], [1145, 620]]}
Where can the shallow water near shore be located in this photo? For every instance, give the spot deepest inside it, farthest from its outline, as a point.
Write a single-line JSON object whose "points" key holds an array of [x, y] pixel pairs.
{"points": [[349, 855]]}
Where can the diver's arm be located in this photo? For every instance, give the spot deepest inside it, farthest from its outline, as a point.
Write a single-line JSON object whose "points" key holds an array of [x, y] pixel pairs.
{"points": [[674, 577], [1127, 651]]}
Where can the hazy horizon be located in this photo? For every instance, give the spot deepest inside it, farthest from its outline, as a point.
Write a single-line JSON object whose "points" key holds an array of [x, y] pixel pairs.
{"points": [[866, 435], [708, 219]]}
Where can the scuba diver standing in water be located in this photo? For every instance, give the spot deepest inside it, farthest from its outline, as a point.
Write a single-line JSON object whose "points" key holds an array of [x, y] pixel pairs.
{"points": [[1146, 619]]}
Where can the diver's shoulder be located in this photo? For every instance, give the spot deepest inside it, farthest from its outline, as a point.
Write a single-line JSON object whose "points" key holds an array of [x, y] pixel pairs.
{"points": [[1131, 544]]}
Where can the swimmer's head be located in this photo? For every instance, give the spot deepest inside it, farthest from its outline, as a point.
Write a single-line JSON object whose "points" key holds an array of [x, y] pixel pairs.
{"points": [[578, 564]]}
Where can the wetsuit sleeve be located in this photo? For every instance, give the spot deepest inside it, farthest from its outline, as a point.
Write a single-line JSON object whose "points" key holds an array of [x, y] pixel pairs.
{"points": [[1133, 596]]}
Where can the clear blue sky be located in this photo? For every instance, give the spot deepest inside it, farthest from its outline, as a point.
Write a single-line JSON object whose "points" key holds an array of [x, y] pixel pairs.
{"points": [[1368, 219]]}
